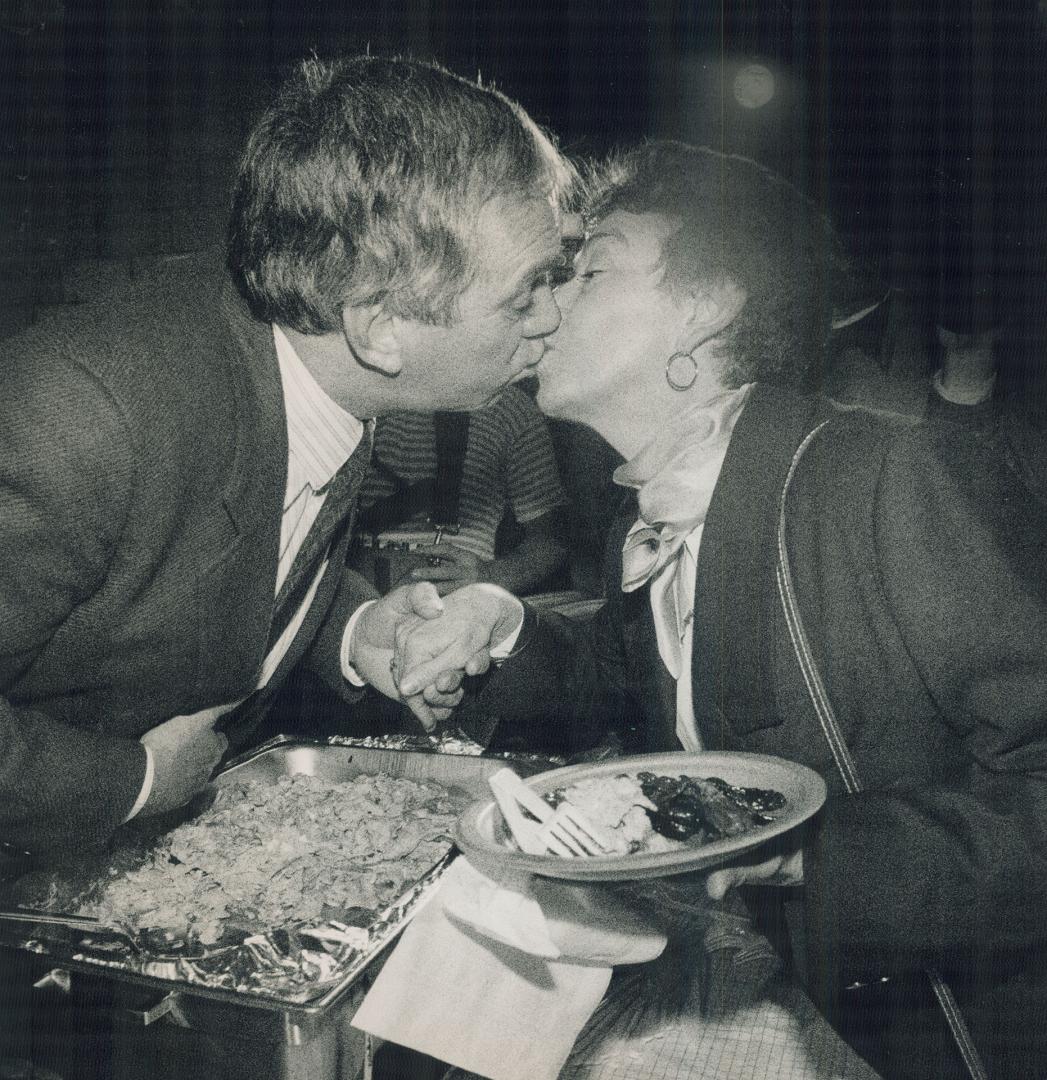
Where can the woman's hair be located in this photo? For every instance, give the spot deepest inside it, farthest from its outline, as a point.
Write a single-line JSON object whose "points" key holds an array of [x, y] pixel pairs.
{"points": [[363, 182], [738, 222]]}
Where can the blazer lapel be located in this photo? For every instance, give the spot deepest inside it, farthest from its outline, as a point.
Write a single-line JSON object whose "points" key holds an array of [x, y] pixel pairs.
{"points": [[258, 478], [235, 596], [735, 598]]}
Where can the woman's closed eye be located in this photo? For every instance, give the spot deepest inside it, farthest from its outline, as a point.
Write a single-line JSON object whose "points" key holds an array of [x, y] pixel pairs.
{"points": [[578, 271]]}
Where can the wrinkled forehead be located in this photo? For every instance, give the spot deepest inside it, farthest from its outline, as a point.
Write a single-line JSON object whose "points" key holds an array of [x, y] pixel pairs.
{"points": [[514, 239], [521, 223]]}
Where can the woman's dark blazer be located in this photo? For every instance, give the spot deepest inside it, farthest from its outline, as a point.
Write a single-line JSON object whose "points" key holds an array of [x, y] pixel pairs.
{"points": [[921, 571]]}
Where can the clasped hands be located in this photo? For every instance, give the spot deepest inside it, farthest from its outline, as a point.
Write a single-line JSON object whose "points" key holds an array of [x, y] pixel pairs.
{"points": [[417, 646]]}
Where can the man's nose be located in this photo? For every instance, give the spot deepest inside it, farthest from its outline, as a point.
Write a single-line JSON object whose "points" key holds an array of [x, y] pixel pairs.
{"points": [[564, 294], [546, 317]]}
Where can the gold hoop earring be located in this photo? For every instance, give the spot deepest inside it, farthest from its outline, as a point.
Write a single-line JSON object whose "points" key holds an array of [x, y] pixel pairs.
{"points": [[676, 374]]}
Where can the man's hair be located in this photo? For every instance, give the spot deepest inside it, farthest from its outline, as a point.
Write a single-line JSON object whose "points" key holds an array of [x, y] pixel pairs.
{"points": [[738, 222], [363, 182]]}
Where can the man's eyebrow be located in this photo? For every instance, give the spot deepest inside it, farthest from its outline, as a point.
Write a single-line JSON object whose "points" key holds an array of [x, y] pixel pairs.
{"points": [[553, 261], [605, 234]]}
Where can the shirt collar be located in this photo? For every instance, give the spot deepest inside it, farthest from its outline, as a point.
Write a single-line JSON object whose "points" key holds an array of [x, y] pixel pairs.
{"points": [[321, 435]]}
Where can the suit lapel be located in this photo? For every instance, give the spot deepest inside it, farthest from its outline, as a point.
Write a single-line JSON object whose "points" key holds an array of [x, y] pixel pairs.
{"points": [[258, 478], [735, 597], [235, 595]]}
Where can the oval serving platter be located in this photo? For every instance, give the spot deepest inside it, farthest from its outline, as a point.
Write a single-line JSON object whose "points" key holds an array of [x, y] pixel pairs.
{"points": [[482, 834]]}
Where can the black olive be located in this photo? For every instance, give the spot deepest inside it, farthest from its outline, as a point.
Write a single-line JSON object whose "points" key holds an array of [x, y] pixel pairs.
{"points": [[689, 805], [678, 817]]}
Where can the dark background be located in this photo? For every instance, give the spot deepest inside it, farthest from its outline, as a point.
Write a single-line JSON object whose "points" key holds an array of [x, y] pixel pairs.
{"points": [[918, 123]]}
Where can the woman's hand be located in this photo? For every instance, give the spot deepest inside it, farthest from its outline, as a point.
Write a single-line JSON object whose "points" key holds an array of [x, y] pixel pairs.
{"points": [[429, 652], [783, 868]]}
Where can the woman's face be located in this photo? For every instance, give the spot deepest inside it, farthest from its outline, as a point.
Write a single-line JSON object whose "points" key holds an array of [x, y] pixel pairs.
{"points": [[617, 328]]}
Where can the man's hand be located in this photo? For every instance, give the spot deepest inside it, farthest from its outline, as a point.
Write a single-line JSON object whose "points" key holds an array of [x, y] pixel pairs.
{"points": [[455, 567], [371, 650], [185, 751], [475, 619], [784, 868]]}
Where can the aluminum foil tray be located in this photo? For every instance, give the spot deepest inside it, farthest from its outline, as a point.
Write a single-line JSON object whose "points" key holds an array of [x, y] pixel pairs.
{"points": [[454, 741], [273, 970]]}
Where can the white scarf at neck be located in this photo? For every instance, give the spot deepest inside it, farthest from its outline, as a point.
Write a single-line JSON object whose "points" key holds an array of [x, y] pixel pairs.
{"points": [[676, 474]]}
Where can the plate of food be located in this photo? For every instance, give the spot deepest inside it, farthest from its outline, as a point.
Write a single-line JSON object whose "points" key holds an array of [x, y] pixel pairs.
{"points": [[657, 814]]}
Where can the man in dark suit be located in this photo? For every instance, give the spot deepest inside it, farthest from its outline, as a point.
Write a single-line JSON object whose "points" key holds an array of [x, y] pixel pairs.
{"points": [[179, 465]]}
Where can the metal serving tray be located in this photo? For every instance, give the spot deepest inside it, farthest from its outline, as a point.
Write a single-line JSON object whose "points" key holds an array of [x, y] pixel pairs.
{"points": [[285, 756]]}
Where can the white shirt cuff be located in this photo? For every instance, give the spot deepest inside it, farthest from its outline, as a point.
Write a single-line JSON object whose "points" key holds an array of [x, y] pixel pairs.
{"points": [[345, 653], [506, 645], [147, 784]]}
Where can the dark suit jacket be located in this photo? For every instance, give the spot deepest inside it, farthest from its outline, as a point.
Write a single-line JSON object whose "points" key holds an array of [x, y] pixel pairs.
{"points": [[143, 462], [921, 568]]}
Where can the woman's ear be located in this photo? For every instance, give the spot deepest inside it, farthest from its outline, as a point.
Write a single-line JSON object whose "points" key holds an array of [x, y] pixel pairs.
{"points": [[711, 311], [372, 334]]}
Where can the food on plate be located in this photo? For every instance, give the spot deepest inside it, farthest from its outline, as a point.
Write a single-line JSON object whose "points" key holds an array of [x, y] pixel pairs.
{"points": [[268, 853], [707, 809], [618, 810], [645, 812]]}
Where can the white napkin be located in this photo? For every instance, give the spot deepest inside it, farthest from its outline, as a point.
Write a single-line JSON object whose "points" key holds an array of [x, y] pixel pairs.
{"points": [[499, 977]]}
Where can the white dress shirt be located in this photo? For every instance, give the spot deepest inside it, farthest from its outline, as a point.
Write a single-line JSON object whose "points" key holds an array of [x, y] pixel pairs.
{"points": [[320, 438]]}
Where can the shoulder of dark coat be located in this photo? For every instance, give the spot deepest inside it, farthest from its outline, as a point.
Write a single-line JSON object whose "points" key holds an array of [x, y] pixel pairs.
{"points": [[157, 321], [158, 346], [860, 457]]}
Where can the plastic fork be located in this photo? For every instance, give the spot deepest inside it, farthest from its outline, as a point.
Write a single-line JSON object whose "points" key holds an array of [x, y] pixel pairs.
{"points": [[524, 830], [563, 831], [569, 827]]}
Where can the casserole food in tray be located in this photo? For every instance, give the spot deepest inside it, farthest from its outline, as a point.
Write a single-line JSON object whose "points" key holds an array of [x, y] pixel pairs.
{"points": [[276, 967]]}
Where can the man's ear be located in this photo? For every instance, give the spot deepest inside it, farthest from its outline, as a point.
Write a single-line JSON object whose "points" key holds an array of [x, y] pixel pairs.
{"points": [[371, 332], [711, 311]]}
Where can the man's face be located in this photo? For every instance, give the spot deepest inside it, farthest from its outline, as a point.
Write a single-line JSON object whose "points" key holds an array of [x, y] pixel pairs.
{"points": [[503, 315]]}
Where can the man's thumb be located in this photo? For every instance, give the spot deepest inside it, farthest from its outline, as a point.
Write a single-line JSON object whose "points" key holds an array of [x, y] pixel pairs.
{"points": [[425, 600]]}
